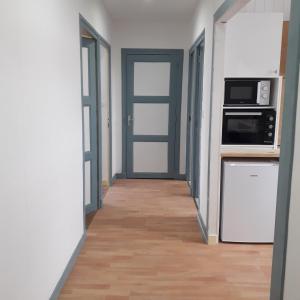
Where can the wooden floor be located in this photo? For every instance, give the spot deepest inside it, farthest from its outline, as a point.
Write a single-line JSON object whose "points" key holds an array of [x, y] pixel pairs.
{"points": [[145, 245]]}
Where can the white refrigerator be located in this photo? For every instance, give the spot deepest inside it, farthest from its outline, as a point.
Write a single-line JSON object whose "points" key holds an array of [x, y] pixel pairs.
{"points": [[248, 208]]}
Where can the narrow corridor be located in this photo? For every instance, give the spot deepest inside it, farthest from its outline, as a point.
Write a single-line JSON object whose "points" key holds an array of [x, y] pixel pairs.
{"points": [[145, 244]]}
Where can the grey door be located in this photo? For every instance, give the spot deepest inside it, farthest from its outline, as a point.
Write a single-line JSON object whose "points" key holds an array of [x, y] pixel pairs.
{"points": [[191, 115], [89, 102], [194, 118], [152, 109]]}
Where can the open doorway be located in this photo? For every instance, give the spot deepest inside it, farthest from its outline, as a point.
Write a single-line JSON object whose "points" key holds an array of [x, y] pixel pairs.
{"points": [[105, 82], [247, 101]]}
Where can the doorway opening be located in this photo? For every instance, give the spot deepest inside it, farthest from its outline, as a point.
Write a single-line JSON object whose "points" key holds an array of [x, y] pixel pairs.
{"points": [[231, 25], [105, 84]]}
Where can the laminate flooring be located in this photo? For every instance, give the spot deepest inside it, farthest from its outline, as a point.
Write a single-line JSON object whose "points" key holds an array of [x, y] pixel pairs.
{"points": [[145, 244]]}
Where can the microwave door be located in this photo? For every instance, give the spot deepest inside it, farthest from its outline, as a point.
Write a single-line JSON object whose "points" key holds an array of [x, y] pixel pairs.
{"points": [[241, 92], [242, 128]]}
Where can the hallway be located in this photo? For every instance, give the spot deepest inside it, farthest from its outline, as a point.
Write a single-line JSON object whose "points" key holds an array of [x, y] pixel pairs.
{"points": [[145, 244]]}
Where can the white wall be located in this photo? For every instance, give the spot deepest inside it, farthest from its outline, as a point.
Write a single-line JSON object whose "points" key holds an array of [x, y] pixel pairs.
{"points": [[137, 34], [203, 19], [41, 141], [283, 6], [292, 271]]}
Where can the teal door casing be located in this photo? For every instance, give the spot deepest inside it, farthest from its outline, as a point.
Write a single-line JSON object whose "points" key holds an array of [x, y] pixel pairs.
{"points": [[190, 121], [198, 121], [194, 121], [152, 82], [90, 124]]}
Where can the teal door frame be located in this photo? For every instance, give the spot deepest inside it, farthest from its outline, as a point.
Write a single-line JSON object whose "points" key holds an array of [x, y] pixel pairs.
{"points": [[90, 102], [286, 149], [286, 155], [194, 119], [86, 26], [175, 56], [189, 117]]}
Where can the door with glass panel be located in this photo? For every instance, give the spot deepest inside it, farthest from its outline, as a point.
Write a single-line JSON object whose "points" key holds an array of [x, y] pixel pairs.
{"points": [[89, 102], [153, 105]]}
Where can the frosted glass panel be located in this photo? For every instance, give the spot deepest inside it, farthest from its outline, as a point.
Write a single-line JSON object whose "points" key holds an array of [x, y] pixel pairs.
{"points": [[85, 71], [87, 130], [151, 119], [150, 157], [152, 79], [87, 182]]}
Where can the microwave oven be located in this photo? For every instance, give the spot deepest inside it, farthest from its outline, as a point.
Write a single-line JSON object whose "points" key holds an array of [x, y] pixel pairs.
{"points": [[247, 92], [248, 126]]}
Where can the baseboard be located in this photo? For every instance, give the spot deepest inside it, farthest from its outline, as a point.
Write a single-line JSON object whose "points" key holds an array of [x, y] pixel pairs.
{"points": [[196, 204], [213, 240], [181, 177], [105, 183], [123, 176], [117, 176], [68, 269], [113, 179], [208, 239], [202, 227], [120, 176]]}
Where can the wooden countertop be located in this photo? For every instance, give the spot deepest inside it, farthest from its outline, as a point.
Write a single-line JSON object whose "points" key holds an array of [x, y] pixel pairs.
{"points": [[250, 153]]}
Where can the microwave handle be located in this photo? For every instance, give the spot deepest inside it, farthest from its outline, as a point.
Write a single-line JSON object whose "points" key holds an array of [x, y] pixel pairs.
{"points": [[243, 113], [259, 98]]}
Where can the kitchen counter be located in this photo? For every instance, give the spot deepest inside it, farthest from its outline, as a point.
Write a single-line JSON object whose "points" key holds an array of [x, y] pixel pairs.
{"points": [[250, 153]]}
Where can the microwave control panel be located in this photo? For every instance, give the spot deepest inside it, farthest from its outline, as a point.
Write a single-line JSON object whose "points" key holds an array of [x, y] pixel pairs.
{"points": [[263, 92]]}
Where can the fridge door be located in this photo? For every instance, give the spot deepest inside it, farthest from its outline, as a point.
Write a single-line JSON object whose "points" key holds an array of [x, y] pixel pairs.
{"points": [[249, 193]]}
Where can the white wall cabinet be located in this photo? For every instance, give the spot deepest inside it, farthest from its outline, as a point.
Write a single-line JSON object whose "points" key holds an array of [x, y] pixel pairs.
{"points": [[253, 45]]}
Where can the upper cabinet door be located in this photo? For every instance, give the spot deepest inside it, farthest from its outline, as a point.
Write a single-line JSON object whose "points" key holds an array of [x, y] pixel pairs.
{"points": [[253, 45]]}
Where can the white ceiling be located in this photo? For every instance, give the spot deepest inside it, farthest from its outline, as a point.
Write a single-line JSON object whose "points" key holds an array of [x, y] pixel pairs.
{"points": [[151, 9]]}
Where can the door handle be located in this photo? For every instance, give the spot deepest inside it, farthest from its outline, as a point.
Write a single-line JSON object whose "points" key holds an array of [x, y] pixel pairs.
{"points": [[130, 120]]}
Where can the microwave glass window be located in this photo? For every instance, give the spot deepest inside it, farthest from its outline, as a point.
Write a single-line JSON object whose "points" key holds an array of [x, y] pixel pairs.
{"points": [[243, 126], [241, 92]]}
